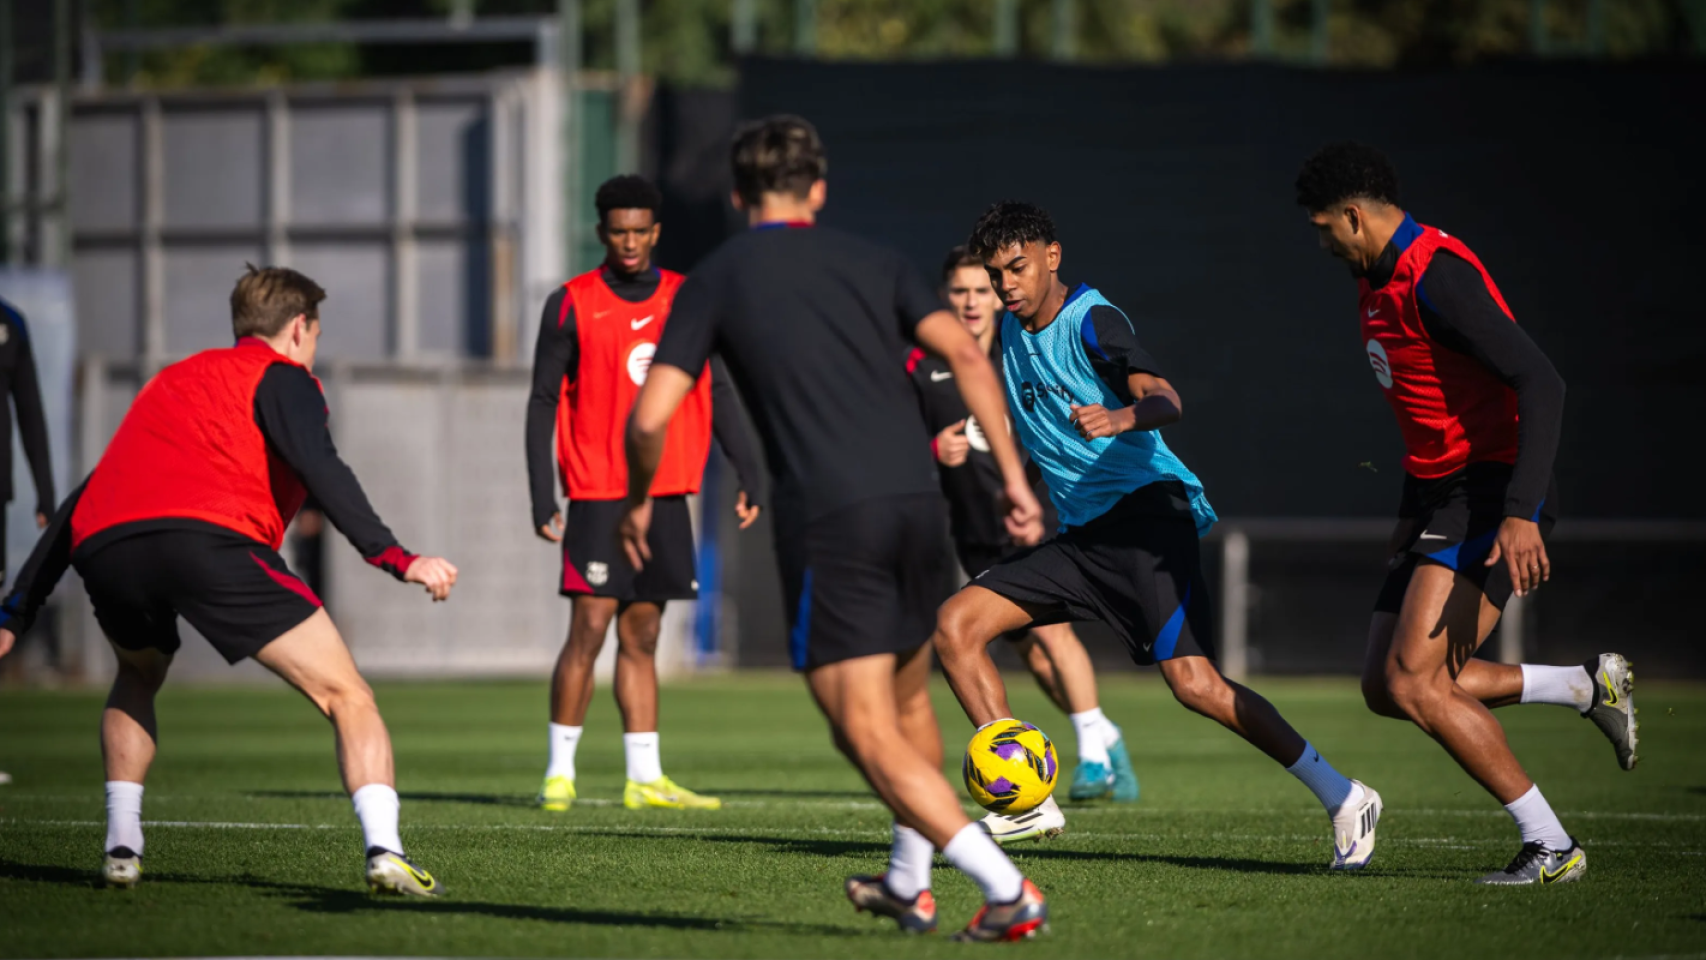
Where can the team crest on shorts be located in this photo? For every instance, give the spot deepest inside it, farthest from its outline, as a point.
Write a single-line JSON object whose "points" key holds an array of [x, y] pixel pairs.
{"points": [[597, 573]]}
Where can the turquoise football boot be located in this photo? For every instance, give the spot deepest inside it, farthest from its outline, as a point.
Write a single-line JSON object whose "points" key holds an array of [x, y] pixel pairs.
{"points": [[1125, 778], [1092, 781]]}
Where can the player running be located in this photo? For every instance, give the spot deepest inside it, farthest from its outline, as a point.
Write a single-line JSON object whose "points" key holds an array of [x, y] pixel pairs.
{"points": [[1089, 402], [971, 481], [812, 322], [184, 515], [596, 340], [1481, 409]]}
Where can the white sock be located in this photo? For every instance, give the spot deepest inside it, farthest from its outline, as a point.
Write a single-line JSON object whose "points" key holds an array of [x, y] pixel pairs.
{"points": [[644, 765], [124, 815], [909, 863], [377, 807], [1329, 785], [1092, 729], [1563, 686], [564, 740], [1534, 817], [979, 858]]}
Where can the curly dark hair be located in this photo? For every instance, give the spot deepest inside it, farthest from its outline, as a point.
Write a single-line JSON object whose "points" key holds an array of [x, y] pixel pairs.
{"points": [[1009, 222], [779, 154], [1345, 170], [628, 192], [960, 256]]}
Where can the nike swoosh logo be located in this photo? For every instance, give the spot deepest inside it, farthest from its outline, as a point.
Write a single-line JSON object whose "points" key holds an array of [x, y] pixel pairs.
{"points": [[637, 324], [937, 376], [1374, 312], [423, 879], [1610, 690], [1546, 877], [1433, 536]]}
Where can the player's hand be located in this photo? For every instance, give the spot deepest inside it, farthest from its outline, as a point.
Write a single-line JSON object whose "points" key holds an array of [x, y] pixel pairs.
{"points": [[437, 574], [631, 533], [1522, 550], [1024, 514], [747, 512], [41, 520], [952, 447], [1095, 420], [552, 529], [7, 639]]}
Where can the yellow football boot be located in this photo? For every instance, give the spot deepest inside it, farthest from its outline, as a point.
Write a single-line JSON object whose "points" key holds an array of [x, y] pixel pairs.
{"points": [[666, 793], [557, 794]]}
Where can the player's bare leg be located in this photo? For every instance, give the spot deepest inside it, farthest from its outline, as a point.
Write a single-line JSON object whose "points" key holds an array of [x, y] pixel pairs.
{"points": [[1438, 630], [1062, 668], [637, 629], [965, 626], [571, 681], [312, 658], [1198, 684], [863, 697], [129, 736]]}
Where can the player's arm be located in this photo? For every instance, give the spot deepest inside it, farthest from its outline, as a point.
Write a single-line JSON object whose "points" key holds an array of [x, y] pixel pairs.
{"points": [[555, 356], [728, 425], [686, 344], [32, 423], [943, 335], [291, 412], [1459, 312], [40, 574], [1122, 363]]}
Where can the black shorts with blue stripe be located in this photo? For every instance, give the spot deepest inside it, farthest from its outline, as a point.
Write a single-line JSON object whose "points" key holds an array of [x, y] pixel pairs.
{"points": [[865, 579], [1136, 568], [1452, 521]]}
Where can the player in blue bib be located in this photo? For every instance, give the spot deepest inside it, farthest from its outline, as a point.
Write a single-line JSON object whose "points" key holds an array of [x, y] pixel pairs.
{"points": [[1088, 403]]}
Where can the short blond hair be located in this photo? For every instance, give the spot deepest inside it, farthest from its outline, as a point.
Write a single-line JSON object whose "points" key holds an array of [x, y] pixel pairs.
{"points": [[267, 298]]}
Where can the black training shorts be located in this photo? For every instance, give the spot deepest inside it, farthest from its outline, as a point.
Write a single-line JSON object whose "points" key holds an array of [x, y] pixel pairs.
{"points": [[237, 592], [1452, 521], [1135, 568], [594, 564], [865, 579]]}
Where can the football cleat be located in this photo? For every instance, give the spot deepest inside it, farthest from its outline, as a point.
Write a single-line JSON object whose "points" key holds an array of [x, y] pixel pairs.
{"points": [[1125, 777], [1536, 864], [1613, 710], [123, 868], [389, 872], [557, 795], [1046, 820], [666, 793], [1353, 830], [872, 895], [1092, 781], [1022, 919]]}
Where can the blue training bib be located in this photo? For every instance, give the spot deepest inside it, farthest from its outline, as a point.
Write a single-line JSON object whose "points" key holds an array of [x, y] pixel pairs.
{"points": [[1047, 374]]}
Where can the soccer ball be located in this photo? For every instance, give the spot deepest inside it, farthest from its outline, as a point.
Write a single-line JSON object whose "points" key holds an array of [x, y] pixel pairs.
{"points": [[1010, 767]]}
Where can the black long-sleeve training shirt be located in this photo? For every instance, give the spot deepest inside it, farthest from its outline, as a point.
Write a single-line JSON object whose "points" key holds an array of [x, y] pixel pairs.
{"points": [[1460, 314], [20, 389], [291, 412], [556, 354]]}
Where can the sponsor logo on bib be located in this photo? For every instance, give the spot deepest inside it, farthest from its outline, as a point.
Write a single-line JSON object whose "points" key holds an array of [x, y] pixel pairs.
{"points": [[1382, 367], [640, 361]]}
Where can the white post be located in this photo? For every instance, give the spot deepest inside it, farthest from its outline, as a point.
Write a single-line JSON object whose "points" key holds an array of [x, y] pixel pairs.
{"points": [[1235, 604]]}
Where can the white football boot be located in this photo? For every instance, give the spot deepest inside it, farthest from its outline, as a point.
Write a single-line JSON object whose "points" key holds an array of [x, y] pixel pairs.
{"points": [[1353, 830], [1044, 820]]}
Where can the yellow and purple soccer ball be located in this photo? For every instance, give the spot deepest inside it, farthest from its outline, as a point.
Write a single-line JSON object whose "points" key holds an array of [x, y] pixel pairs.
{"points": [[1010, 767]]}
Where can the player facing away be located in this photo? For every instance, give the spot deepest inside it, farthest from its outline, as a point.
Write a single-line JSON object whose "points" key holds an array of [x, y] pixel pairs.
{"points": [[813, 323], [971, 482], [596, 340], [1480, 408], [183, 517], [1089, 403]]}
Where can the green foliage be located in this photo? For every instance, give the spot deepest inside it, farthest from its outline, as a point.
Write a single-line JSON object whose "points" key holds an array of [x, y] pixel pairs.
{"points": [[688, 41]]}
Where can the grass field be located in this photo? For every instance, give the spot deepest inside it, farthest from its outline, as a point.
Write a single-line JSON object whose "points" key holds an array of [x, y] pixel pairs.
{"points": [[254, 850]]}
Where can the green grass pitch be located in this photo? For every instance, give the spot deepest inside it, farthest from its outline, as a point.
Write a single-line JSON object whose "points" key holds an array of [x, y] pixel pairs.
{"points": [[254, 850]]}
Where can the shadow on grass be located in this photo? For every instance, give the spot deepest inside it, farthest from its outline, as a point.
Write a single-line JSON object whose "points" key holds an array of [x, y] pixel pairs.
{"points": [[824, 847], [427, 796], [336, 900]]}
